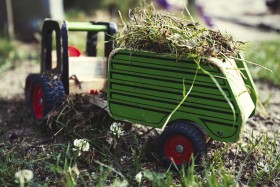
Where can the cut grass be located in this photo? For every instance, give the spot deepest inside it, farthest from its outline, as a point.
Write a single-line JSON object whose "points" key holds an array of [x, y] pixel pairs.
{"points": [[162, 32], [265, 53]]}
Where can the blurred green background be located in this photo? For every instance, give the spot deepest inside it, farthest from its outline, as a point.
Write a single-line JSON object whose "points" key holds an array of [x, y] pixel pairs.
{"points": [[265, 53]]}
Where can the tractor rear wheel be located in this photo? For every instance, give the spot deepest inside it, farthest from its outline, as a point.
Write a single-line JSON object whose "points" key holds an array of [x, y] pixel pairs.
{"points": [[46, 94], [180, 142]]}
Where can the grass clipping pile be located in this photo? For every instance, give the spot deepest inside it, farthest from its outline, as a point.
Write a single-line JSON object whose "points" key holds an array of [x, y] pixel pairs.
{"points": [[162, 32]]}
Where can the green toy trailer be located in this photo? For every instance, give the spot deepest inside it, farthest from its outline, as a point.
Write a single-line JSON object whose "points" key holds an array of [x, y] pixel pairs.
{"points": [[146, 87]]}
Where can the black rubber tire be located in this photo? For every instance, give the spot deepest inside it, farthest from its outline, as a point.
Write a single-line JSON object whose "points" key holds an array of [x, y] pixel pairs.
{"points": [[53, 93], [27, 88], [188, 131]]}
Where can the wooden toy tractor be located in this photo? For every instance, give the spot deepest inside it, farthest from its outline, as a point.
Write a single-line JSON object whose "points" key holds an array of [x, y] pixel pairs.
{"points": [[64, 67], [146, 87]]}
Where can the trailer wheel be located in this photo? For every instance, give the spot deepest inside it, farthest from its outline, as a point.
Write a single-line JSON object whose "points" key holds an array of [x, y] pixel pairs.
{"points": [[179, 142], [27, 89], [46, 94]]}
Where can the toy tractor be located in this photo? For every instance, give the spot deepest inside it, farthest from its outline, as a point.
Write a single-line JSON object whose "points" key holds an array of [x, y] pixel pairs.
{"points": [[145, 88], [64, 67]]}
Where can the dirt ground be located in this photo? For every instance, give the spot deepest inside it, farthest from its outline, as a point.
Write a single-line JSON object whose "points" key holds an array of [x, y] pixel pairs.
{"points": [[246, 20]]}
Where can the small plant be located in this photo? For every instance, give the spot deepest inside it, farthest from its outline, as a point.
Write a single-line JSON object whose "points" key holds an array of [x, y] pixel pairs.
{"points": [[69, 170], [23, 177], [81, 145], [117, 129], [138, 177]]}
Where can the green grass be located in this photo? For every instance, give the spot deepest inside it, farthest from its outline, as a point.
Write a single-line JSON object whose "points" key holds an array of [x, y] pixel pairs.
{"points": [[14, 52], [83, 9], [7, 54], [116, 161], [265, 53], [253, 163]]}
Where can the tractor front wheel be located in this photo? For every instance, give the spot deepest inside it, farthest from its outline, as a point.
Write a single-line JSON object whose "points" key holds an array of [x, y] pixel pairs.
{"points": [[46, 93]]}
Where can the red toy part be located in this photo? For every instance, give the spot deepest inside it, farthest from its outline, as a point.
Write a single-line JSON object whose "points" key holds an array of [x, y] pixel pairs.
{"points": [[179, 149], [94, 92], [73, 51], [37, 101]]}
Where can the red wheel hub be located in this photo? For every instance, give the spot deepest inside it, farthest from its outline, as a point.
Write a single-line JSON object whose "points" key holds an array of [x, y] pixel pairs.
{"points": [[178, 149], [37, 101]]}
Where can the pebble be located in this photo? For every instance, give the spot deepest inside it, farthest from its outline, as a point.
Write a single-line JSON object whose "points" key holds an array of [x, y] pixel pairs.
{"points": [[10, 135], [275, 120], [269, 122]]}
